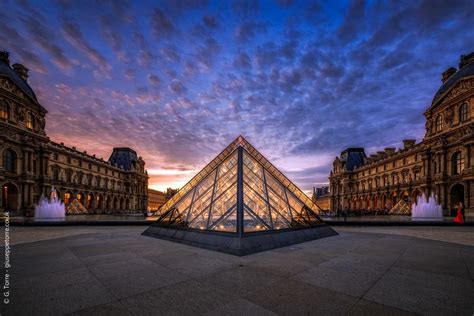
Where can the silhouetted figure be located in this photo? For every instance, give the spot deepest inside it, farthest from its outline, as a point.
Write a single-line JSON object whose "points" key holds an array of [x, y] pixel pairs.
{"points": [[462, 211]]}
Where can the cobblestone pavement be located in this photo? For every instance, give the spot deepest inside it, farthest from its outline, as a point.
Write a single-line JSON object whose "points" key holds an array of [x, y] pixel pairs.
{"points": [[363, 271]]}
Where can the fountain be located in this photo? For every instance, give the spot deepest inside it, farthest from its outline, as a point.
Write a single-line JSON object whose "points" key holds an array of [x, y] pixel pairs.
{"points": [[52, 209], [426, 209]]}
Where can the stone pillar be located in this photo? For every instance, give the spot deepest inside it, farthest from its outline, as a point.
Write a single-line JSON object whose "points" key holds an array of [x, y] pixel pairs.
{"points": [[442, 198]]}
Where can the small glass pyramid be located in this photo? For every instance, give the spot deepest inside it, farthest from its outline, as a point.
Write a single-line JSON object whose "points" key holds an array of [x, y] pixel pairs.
{"points": [[239, 192]]}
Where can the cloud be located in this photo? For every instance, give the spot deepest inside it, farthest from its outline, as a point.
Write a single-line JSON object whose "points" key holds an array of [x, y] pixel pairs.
{"points": [[74, 36], [177, 87], [162, 25], [301, 80], [154, 80], [248, 30]]}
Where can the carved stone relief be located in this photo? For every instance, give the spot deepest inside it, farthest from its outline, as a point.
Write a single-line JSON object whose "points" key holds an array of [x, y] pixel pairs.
{"points": [[461, 87]]}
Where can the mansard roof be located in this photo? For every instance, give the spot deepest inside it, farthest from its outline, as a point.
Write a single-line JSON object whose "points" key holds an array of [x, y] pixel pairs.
{"points": [[466, 69], [353, 158], [123, 157], [7, 71]]}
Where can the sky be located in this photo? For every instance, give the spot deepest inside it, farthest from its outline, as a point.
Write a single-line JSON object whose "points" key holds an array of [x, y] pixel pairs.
{"points": [[177, 81]]}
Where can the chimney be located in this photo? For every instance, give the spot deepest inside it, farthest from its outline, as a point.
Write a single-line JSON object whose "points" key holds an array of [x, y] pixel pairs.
{"points": [[5, 57], [389, 150], [447, 74], [466, 59], [21, 70], [408, 143]]}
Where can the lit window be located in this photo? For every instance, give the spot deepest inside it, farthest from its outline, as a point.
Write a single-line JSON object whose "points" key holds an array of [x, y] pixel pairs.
{"points": [[79, 197], [4, 110], [458, 163], [67, 198], [463, 112], [439, 123], [30, 121], [89, 201]]}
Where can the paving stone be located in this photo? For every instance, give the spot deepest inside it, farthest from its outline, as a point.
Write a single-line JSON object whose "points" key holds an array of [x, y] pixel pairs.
{"points": [[424, 292], [289, 297], [86, 273], [63, 299], [240, 280], [436, 263], [352, 281], [112, 309], [285, 264], [367, 308], [198, 266], [240, 307], [94, 250], [139, 281], [108, 258], [185, 298]]}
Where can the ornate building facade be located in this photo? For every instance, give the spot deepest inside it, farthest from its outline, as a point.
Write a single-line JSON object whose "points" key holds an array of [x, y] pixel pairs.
{"points": [[31, 164], [441, 164]]}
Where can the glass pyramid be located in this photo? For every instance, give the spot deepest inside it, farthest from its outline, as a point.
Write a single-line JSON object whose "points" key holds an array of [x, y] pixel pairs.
{"points": [[239, 192]]}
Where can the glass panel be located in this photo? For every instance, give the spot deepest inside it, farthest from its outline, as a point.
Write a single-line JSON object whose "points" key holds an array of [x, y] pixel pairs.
{"points": [[254, 182], [274, 185], [257, 205], [199, 213], [227, 165], [227, 176], [295, 204], [252, 165], [184, 203], [205, 186], [279, 221], [228, 223], [252, 223], [222, 205]]}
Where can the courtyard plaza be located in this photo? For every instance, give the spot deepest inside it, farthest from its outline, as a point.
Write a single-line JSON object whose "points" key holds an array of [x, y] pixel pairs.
{"points": [[104, 270]]}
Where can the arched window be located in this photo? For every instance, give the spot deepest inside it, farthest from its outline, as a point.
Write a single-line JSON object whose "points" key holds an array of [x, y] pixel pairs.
{"points": [[439, 123], [80, 198], [463, 112], [458, 163], [4, 110], [30, 120], [9, 161], [67, 198]]}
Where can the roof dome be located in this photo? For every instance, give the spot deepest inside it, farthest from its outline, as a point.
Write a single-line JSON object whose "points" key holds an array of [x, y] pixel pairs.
{"points": [[13, 75], [466, 69]]}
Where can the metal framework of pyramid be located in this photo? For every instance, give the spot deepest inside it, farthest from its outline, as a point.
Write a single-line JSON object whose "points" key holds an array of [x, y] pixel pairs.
{"points": [[239, 204]]}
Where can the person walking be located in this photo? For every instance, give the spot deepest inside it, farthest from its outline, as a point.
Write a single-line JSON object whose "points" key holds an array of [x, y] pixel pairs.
{"points": [[459, 217], [462, 211]]}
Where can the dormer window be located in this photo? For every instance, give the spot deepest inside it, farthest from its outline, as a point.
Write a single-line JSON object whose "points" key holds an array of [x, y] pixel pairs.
{"points": [[439, 123], [463, 112]]}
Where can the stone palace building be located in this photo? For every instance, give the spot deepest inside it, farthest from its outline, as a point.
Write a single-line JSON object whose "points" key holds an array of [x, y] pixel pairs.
{"points": [[442, 163], [31, 164]]}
